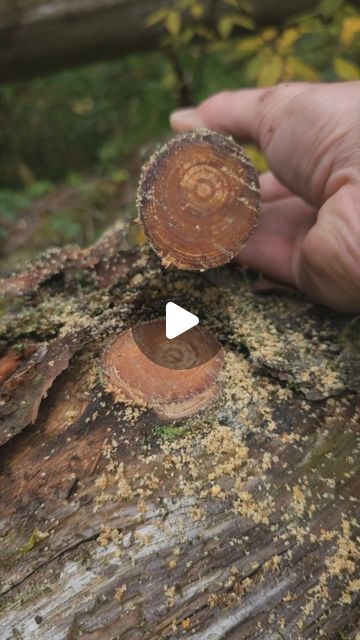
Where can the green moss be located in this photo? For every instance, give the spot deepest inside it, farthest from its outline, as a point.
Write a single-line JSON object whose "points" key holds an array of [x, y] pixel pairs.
{"points": [[169, 432], [101, 377], [32, 593], [36, 537], [19, 348]]}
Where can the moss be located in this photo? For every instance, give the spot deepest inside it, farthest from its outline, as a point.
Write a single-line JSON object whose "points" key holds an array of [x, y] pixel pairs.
{"points": [[100, 376], [36, 537], [43, 321], [4, 309], [19, 348], [33, 592], [169, 432], [15, 634], [86, 559]]}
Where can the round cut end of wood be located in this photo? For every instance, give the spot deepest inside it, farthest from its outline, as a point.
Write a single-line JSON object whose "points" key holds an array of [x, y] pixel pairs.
{"points": [[175, 377], [198, 200]]}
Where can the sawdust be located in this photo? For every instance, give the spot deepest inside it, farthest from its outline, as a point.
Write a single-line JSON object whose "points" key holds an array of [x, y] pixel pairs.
{"points": [[119, 593]]}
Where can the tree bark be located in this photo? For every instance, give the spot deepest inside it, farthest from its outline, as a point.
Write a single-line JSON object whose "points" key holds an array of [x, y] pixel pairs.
{"points": [[238, 522], [38, 36]]}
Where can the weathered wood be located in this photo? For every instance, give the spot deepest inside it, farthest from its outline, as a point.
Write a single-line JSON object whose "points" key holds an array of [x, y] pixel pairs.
{"points": [[38, 36], [237, 523]]}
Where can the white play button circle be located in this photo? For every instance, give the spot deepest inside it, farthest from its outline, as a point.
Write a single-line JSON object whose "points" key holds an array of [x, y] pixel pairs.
{"points": [[178, 320]]}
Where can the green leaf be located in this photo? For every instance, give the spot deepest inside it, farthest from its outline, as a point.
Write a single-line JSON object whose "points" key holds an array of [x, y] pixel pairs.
{"points": [[346, 70], [247, 46], [173, 22], [120, 175], [246, 22], [184, 4], [203, 32], [257, 157], [156, 17], [310, 42], [329, 7], [187, 35], [225, 26], [197, 10], [311, 25], [256, 63], [287, 40], [271, 72], [227, 23], [298, 19], [169, 80], [268, 34], [349, 28], [40, 188], [296, 68], [244, 5]]}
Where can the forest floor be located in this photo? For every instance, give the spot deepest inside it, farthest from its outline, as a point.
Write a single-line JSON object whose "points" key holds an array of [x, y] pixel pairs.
{"points": [[70, 213]]}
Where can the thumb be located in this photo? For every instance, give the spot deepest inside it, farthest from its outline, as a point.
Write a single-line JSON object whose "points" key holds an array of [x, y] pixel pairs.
{"points": [[305, 130], [239, 113], [249, 115]]}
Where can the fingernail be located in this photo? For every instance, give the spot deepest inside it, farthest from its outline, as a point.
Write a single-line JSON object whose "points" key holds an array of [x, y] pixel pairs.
{"points": [[186, 119]]}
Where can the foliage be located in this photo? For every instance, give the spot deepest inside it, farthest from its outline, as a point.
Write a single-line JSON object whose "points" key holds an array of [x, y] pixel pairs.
{"points": [[323, 43], [12, 201], [81, 120], [43, 215], [103, 119]]}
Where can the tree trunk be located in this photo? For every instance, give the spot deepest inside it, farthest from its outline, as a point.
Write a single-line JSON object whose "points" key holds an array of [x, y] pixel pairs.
{"points": [[238, 522], [38, 36]]}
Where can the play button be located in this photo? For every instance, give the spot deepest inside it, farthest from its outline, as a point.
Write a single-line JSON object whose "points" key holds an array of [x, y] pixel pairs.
{"points": [[176, 342], [178, 320]]}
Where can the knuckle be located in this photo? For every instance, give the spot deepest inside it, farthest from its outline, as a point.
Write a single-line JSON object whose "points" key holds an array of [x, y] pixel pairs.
{"points": [[273, 106]]}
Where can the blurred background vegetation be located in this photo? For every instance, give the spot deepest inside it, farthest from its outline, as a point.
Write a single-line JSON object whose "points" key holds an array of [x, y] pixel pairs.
{"points": [[72, 143]]}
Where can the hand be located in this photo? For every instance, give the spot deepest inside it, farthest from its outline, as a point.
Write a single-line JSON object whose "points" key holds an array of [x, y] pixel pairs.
{"points": [[308, 235]]}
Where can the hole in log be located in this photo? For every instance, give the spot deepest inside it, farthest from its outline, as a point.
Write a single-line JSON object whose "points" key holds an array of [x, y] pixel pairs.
{"points": [[175, 377]]}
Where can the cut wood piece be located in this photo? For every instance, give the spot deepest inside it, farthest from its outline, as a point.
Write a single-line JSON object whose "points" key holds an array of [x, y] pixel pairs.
{"points": [[198, 200], [175, 377]]}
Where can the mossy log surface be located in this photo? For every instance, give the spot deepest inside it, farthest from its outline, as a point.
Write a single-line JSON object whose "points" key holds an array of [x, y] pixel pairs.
{"points": [[239, 522]]}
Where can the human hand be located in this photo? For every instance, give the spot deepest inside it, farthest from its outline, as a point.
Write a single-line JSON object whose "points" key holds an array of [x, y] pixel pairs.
{"points": [[309, 232]]}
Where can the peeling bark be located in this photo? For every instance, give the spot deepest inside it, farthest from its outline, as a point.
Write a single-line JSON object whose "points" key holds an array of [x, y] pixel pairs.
{"points": [[23, 393], [239, 522]]}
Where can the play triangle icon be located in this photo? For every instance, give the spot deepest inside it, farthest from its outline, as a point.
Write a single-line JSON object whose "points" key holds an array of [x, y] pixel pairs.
{"points": [[178, 320]]}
